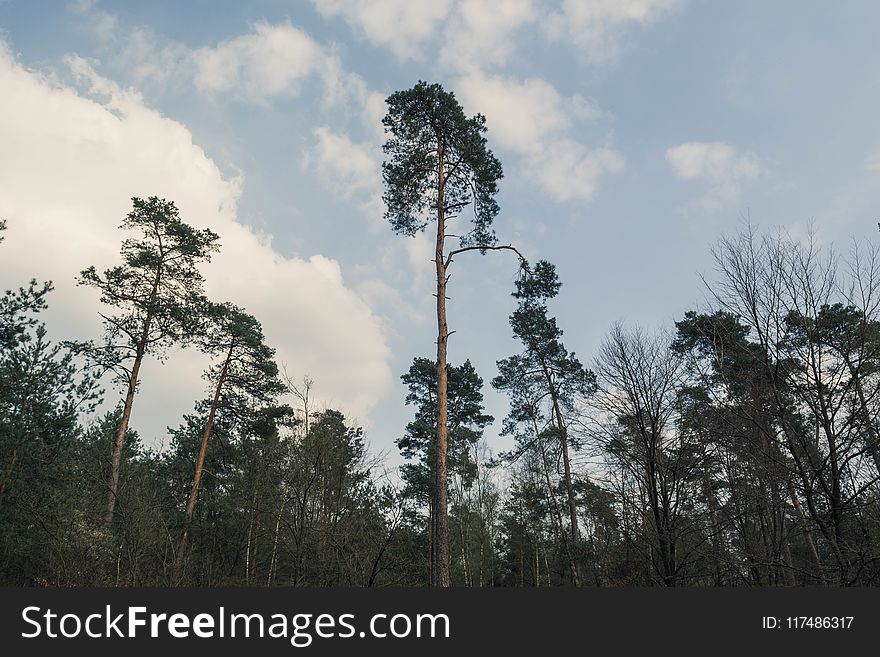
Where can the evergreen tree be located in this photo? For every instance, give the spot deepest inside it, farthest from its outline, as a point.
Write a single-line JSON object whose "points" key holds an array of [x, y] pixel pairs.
{"points": [[438, 164], [43, 390], [245, 378], [545, 382], [467, 419], [152, 296]]}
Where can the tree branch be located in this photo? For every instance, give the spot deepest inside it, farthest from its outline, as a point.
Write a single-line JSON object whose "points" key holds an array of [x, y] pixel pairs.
{"points": [[506, 247]]}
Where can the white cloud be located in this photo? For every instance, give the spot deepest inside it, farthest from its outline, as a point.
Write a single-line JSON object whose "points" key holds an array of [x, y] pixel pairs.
{"points": [[381, 295], [718, 165], [482, 34], [569, 170], [276, 60], [520, 115], [532, 119], [595, 27], [374, 109], [349, 170], [401, 26], [712, 161], [70, 166], [420, 250], [471, 34], [271, 60]]}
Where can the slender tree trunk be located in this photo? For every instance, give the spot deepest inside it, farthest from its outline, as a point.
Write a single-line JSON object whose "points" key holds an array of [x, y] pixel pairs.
{"points": [[522, 565], [274, 561], [431, 535], [569, 488], [554, 506], [140, 350], [116, 460], [251, 540], [537, 567], [200, 465], [440, 554]]}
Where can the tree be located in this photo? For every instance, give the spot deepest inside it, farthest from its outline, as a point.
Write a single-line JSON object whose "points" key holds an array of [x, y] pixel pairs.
{"points": [[744, 475], [639, 380], [43, 391], [245, 378], [544, 375], [810, 315], [438, 164], [153, 294], [18, 308], [467, 419]]}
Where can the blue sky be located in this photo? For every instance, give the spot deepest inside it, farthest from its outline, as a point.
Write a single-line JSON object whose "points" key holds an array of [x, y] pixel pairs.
{"points": [[632, 133]]}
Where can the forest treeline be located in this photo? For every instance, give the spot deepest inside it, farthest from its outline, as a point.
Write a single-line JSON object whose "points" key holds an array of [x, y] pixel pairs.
{"points": [[737, 446]]}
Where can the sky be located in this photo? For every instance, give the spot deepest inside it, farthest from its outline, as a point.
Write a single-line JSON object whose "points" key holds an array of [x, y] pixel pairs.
{"points": [[633, 134]]}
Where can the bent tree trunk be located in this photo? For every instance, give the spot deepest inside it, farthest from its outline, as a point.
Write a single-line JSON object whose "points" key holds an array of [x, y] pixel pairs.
{"points": [[569, 490], [566, 465], [200, 467], [140, 350], [116, 460]]}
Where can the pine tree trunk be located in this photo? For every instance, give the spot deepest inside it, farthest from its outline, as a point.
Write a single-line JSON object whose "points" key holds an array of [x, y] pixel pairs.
{"points": [[251, 540], [569, 487], [116, 460], [200, 465], [554, 506], [140, 350], [440, 544]]}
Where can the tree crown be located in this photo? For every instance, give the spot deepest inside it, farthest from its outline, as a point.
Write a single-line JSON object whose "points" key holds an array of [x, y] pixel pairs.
{"points": [[156, 287], [436, 152]]}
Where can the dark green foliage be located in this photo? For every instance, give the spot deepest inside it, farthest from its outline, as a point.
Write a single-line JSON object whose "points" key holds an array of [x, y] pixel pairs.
{"points": [[422, 123], [251, 377], [467, 419], [42, 392], [18, 307], [742, 450], [156, 295], [545, 384], [152, 295], [545, 367]]}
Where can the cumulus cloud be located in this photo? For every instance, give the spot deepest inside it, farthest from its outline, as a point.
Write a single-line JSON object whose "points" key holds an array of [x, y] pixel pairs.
{"points": [[483, 34], [349, 170], [520, 114], [718, 165], [71, 163], [532, 119], [271, 60], [569, 170], [595, 28], [401, 26]]}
